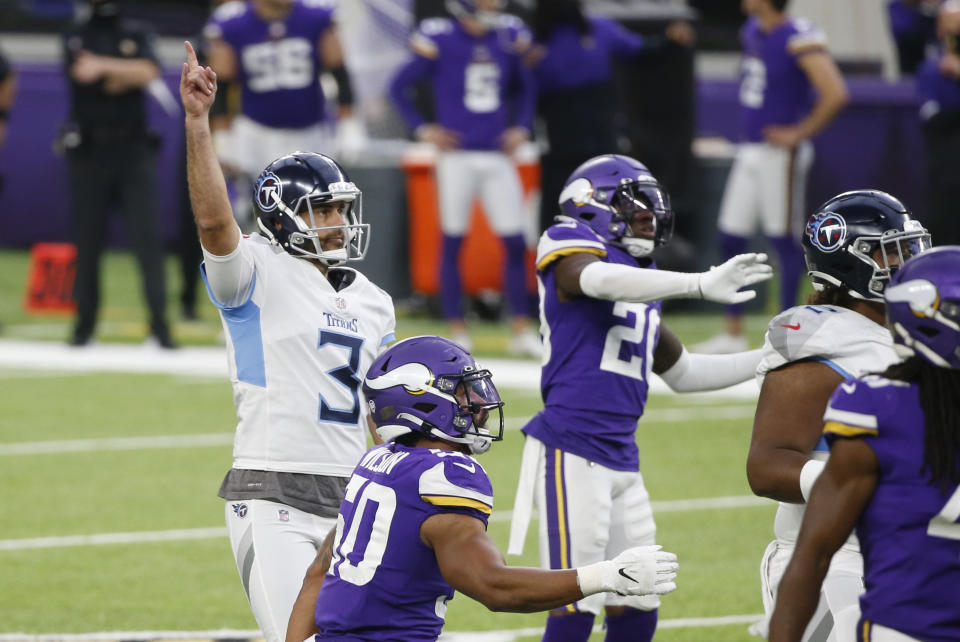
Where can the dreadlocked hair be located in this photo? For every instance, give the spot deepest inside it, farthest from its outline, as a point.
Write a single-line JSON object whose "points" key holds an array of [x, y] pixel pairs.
{"points": [[940, 401], [832, 295]]}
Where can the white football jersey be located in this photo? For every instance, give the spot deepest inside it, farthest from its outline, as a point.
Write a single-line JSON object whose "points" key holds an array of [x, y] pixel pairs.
{"points": [[298, 351], [848, 342]]}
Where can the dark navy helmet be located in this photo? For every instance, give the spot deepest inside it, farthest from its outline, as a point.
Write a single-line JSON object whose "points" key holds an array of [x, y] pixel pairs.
{"points": [[608, 192], [923, 307], [432, 386], [858, 239], [295, 184]]}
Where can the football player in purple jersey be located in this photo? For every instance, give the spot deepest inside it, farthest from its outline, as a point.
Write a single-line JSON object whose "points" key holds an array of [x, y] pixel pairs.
{"points": [[412, 528], [483, 99], [893, 474], [852, 245], [785, 61], [275, 50], [600, 298]]}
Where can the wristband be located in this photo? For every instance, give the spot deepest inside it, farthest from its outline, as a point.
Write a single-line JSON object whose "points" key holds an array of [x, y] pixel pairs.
{"points": [[808, 475], [591, 578]]}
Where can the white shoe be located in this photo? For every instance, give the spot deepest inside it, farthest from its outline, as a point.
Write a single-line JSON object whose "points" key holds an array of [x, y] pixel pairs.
{"points": [[526, 344], [464, 340], [722, 343]]}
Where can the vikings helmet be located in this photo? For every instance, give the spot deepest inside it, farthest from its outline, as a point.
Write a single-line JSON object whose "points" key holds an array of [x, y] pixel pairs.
{"points": [[923, 307], [468, 10], [607, 192], [305, 179], [857, 239], [432, 386]]}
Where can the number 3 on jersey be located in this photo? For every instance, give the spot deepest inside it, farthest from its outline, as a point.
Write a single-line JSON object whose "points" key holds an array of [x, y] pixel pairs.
{"points": [[640, 330], [345, 376]]}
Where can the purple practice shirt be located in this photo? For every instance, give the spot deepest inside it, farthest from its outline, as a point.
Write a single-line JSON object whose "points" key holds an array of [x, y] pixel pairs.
{"points": [[278, 63], [774, 90], [384, 583], [909, 537], [600, 353], [480, 84], [574, 61], [936, 92]]}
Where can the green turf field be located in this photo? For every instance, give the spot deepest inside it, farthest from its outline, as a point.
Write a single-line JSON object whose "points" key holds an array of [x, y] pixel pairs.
{"points": [[692, 448]]}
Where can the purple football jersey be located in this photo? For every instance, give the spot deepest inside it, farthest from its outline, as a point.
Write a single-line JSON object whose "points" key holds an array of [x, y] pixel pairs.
{"points": [[384, 582], [937, 92], [774, 90], [480, 84], [575, 60], [909, 532], [599, 356], [278, 63]]}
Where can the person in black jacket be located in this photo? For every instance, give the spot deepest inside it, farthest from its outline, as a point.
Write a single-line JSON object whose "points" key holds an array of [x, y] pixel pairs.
{"points": [[111, 158]]}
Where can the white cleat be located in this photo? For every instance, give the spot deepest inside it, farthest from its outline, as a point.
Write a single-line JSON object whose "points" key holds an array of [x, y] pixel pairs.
{"points": [[526, 344]]}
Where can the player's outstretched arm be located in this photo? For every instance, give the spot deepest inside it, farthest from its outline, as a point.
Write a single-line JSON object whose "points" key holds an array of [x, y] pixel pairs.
{"points": [[686, 372], [837, 500], [470, 561], [302, 623], [584, 274], [219, 233]]}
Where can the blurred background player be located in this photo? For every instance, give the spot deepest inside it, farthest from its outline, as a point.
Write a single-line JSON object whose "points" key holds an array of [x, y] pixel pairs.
{"points": [[783, 59], [112, 158], [483, 98], [600, 311], [435, 407], [893, 473], [301, 330], [913, 26], [275, 51], [938, 88], [573, 59], [852, 244]]}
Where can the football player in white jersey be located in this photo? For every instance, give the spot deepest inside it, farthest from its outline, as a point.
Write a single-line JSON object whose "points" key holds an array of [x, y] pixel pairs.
{"points": [[852, 245], [301, 331]]}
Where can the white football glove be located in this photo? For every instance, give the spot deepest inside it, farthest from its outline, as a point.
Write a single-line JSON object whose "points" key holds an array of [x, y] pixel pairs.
{"points": [[642, 570], [721, 283]]}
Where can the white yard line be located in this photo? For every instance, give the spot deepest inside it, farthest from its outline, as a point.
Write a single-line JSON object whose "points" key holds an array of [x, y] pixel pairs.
{"points": [[505, 635], [666, 415], [215, 532], [211, 361]]}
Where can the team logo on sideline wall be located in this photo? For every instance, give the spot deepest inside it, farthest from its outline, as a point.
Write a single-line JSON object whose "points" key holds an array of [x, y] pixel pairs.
{"points": [[240, 510], [269, 191], [827, 231]]}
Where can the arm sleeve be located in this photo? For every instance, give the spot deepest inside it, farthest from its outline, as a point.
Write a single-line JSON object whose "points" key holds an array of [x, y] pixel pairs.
{"points": [[230, 278], [616, 282], [403, 82], [623, 42], [526, 94], [700, 372]]}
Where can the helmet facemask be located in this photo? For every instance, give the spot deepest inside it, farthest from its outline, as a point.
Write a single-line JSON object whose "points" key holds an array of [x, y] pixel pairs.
{"points": [[634, 200], [300, 232], [883, 254], [476, 398]]}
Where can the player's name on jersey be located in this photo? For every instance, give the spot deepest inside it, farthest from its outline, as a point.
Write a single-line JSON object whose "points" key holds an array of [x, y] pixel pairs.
{"points": [[381, 460], [336, 322]]}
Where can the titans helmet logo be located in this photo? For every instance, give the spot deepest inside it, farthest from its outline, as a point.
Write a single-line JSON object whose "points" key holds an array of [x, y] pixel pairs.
{"points": [[827, 231], [269, 191]]}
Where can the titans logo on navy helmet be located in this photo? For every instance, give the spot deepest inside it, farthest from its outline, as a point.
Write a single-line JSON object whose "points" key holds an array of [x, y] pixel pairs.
{"points": [[269, 186], [827, 231]]}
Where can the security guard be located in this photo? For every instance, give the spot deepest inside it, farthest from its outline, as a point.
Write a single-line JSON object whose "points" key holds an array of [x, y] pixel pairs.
{"points": [[111, 157]]}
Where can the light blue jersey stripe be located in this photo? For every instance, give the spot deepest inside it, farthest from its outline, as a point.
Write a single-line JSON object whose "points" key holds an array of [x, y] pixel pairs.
{"points": [[243, 323]]}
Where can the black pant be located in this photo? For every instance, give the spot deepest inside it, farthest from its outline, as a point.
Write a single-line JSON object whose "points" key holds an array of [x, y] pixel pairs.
{"points": [[943, 186], [101, 175]]}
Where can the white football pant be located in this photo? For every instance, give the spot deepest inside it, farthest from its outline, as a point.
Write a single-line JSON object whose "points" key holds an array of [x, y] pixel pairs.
{"points": [[462, 175], [273, 545]]}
